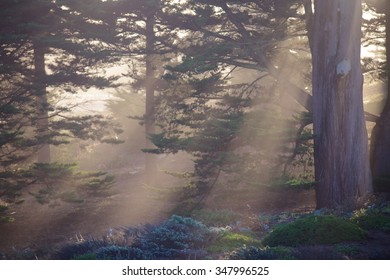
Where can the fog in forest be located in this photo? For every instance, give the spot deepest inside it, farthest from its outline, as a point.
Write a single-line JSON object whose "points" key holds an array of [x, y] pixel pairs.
{"points": [[196, 111]]}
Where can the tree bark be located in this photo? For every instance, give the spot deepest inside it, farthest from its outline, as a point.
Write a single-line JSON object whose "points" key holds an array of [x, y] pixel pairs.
{"points": [[150, 159], [380, 135], [342, 169], [42, 123]]}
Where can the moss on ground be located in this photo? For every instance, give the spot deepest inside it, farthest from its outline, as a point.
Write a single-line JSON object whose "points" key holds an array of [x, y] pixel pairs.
{"points": [[314, 230], [87, 256], [372, 220], [261, 253], [230, 241]]}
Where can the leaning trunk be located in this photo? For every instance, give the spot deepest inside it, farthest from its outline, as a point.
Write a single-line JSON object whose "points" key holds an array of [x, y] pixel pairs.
{"points": [[380, 136], [42, 123], [342, 169], [150, 160]]}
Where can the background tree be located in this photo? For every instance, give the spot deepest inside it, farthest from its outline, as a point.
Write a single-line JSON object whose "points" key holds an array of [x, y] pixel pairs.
{"points": [[145, 41], [59, 58], [207, 106], [46, 55], [380, 136]]}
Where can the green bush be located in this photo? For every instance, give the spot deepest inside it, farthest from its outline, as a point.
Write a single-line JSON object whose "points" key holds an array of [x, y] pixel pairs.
{"points": [[317, 252], [314, 230], [175, 238], [23, 254], [114, 252], [230, 241], [87, 256], [348, 250], [372, 219], [4, 213], [79, 250], [258, 253]]}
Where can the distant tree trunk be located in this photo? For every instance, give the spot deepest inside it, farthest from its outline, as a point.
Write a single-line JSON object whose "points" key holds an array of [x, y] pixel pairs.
{"points": [[42, 123], [342, 169], [150, 160], [380, 136]]}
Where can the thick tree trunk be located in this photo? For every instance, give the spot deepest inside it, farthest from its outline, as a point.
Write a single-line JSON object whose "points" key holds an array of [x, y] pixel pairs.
{"points": [[340, 138], [380, 136], [150, 160], [42, 123]]}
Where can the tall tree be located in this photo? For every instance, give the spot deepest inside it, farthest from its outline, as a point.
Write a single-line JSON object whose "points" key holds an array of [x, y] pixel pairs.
{"points": [[150, 87], [342, 169], [206, 109], [380, 136], [46, 53], [42, 102], [145, 41], [60, 55]]}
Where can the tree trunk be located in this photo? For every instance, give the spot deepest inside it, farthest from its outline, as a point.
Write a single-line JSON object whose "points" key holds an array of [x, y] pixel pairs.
{"points": [[42, 123], [150, 159], [380, 136], [342, 169]]}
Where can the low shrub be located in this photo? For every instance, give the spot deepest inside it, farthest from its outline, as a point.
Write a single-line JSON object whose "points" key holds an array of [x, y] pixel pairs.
{"points": [[373, 219], [176, 238], [5, 217], [75, 250], [87, 256], [24, 254], [114, 252], [230, 241], [314, 230], [349, 251], [317, 252], [258, 253]]}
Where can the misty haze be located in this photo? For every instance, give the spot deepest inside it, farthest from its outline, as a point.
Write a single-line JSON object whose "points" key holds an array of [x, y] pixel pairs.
{"points": [[188, 129]]}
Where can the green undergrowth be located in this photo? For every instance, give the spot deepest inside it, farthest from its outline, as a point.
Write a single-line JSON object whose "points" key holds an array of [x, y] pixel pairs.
{"points": [[261, 253], [348, 250], [222, 235], [230, 241], [4, 213], [314, 230], [373, 218], [87, 256]]}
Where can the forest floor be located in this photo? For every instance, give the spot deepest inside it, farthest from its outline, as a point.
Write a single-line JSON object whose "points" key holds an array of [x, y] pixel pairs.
{"points": [[42, 228], [36, 226]]}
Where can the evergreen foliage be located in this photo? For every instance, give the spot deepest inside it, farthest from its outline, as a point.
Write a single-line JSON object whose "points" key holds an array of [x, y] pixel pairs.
{"points": [[49, 50], [204, 112], [73, 251], [175, 238], [258, 253], [62, 182], [373, 218], [194, 54], [230, 241], [114, 252]]}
